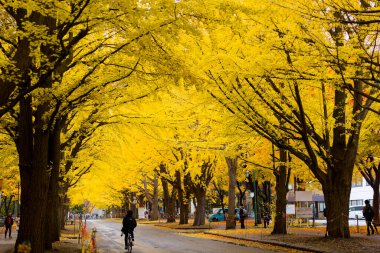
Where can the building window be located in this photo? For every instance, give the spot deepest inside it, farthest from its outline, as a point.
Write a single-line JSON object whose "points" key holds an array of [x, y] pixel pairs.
{"points": [[357, 182], [356, 202]]}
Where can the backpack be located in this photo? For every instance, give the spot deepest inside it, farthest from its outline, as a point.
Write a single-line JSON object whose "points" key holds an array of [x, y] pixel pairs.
{"points": [[129, 223], [368, 213]]}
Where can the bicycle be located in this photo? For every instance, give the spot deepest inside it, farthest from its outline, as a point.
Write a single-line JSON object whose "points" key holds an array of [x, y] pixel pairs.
{"points": [[129, 243]]}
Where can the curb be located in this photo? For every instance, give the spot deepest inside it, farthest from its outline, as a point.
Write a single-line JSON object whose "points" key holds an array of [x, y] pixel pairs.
{"points": [[285, 245], [184, 228]]}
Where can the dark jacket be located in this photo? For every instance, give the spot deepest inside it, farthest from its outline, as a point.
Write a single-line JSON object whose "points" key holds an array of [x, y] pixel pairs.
{"points": [[368, 213], [8, 221], [129, 224]]}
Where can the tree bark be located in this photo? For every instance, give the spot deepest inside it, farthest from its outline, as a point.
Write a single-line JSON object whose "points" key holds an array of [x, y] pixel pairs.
{"points": [[63, 208], [171, 207], [232, 168], [33, 156], [182, 204], [199, 185], [281, 190], [152, 198], [337, 194], [169, 198], [200, 214], [155, 211], [187, 196], [52, 212], [241, 195], [376, 195]]}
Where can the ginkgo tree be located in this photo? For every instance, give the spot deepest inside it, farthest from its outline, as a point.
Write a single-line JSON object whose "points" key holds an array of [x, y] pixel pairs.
{"points": [[289, 90], [43, 43]]}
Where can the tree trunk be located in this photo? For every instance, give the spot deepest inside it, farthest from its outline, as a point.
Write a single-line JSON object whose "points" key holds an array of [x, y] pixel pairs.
{"points": [[154, 212], [241, 194], [200, 214], [337, 195], [281, 190], [221, 197], [267, 199], [171, 207], [376, 219], [7, 206], [232, 167], [182, 204], [187, 196], [63, 209], [33, 156], [169, 199], [152, 198], [52, 212]]}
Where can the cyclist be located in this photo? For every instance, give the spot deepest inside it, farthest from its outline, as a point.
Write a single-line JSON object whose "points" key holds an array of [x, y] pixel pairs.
{"points": [[129, 224]]}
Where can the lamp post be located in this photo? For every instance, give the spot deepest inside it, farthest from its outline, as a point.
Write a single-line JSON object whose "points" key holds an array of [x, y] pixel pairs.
{"points": [[253, 194]]}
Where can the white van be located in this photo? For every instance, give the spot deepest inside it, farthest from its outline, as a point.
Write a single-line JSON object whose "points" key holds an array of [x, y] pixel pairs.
{"points": [[355, 210]]}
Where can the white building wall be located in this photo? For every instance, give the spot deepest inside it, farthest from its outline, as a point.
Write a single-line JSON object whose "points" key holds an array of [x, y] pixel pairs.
{"points": [[360, 193]]}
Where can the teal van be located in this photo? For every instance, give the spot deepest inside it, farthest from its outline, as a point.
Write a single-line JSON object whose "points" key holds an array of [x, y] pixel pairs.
{"points": [[219, 216]]}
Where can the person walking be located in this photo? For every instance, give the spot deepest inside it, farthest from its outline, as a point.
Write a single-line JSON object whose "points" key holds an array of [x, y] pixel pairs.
{"points": [[266, 219], [129, 224], [242, 215], [8, 225], [368, 214]]}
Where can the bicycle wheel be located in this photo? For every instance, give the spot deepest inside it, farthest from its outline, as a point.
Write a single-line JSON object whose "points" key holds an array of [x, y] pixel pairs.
{"points": [[129, 244]]}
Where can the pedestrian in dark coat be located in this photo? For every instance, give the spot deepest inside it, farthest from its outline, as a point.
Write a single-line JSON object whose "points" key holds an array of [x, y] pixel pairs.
{"points": [[8, 225], [368, 214], [242, 216]]}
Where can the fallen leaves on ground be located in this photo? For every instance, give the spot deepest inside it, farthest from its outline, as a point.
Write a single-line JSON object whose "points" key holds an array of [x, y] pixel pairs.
{"points": [[307, 237], [247, 243]]}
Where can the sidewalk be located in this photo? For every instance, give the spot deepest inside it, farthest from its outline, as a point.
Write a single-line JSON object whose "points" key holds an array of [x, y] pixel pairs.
{"points": [[68, 243], [7, 245], [306, 239]]}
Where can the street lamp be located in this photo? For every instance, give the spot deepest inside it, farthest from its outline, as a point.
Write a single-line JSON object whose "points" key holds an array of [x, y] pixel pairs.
{"points": [[253, 194]]}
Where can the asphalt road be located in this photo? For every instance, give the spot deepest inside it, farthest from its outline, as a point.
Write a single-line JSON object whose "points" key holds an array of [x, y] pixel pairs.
{"points": [[156, 240]]}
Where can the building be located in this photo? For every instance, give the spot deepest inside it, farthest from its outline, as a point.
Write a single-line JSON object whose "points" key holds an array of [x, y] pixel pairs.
{"points": [[360, 191], [310, 205]]}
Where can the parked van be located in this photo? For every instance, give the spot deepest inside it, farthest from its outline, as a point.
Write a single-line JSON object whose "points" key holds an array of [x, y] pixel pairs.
{"points": [[219, 216], [355, 210]]}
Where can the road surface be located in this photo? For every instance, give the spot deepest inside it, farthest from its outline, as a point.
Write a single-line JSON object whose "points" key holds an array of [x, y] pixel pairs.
{"points": [[157, 240]]}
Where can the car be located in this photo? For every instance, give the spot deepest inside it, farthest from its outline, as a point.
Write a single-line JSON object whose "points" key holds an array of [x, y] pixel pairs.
{"points": [[354, 211], [219, 216]]}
